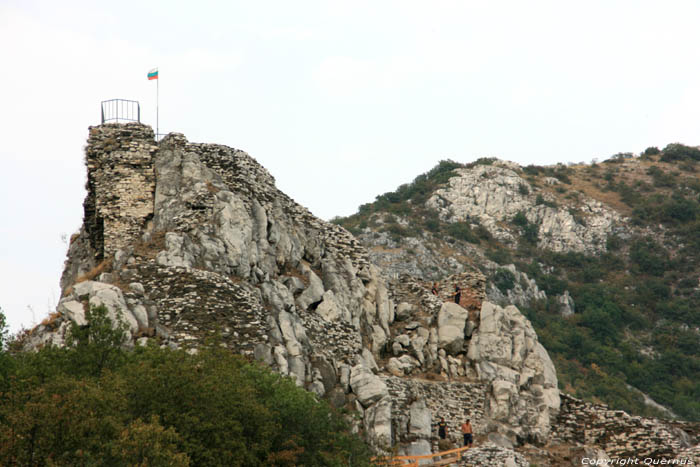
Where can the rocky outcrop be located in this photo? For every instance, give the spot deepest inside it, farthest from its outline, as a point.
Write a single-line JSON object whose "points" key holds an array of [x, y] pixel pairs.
{"points": [[523, 393], [193, 239], [493, 194], [520, 289], [415, 256], [451, 325], [182, 241]]}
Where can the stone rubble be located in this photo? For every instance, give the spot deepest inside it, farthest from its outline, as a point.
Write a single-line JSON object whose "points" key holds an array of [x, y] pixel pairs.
{"points": [[616, 432]]}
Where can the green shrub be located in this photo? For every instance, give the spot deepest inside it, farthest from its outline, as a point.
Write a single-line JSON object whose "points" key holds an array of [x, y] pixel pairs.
{"points": [[531, 234], [499, 255], [156, 406], [541, 201], [679, 209], [504, 279], [533, 169], [462, 231], [677, 152], [432, 225], [620, 157], [562, 176], [613, 242], [551, 284], [661, 178], [398, 231], [650, 151], [483, 161], [483, 233], [520, 219], [648, 257]]}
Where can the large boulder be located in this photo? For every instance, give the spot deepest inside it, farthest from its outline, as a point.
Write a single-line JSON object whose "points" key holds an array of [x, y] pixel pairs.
{"points": [[452, 320], [523, 394], [377, 420], [98, 294], [314, 291], [367, 386], [73, 310], [421, 421]]}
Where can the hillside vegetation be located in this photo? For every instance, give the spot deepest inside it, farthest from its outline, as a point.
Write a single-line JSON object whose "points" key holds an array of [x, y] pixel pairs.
{"points": [[637, 303], [94, 403]]}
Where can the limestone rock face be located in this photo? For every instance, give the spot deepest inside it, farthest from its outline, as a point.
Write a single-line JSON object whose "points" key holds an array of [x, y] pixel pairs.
{"points": [[493, 194], [377, 421], [205, 241], [566, 303], [70, 309], [73, 310], [421, 423], [452, 320], [690, 454], [367, 386], [523, 392], [524, 289]]}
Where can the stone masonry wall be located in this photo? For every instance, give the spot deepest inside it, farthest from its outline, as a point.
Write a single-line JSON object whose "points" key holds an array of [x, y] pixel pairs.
{"points": [[616, 432], [120, 185], [455, 401], [191, 305]]}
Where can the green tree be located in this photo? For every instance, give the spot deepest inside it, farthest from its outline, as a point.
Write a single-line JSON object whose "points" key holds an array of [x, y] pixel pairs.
{"points": [[148, 444], [98, 345]]}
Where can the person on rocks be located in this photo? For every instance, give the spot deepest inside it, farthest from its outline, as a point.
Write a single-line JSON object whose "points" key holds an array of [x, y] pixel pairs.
{"points": [[435, 290], [442, 428], [468, 433], [457, 294]]}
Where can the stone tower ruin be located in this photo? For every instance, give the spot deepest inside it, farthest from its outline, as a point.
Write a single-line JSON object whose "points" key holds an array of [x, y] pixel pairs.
{"points": [[120, 185]]}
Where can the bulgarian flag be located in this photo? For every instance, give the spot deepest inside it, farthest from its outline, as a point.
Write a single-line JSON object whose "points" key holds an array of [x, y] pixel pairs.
{"points": [[153, 74]]}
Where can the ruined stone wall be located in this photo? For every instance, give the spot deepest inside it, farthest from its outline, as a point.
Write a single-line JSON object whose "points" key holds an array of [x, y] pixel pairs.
{"points": [[455, 401], [187, 306], [616, 432], [120, 185]]}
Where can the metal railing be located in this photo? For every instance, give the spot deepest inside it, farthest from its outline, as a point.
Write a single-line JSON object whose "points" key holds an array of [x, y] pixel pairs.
{"points": [[452, 456], [115, 110]]}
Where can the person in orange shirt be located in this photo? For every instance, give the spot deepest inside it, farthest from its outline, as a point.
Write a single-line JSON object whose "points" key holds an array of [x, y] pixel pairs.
{"points": [[468, 433]]}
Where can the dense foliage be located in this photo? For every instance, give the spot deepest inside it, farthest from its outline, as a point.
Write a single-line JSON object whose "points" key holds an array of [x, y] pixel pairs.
{"points": [[638, 304], [93, 403]]}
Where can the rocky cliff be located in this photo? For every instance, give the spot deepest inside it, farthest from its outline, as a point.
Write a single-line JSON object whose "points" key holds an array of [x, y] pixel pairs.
{"points": [[497, 193], [185, 241]]}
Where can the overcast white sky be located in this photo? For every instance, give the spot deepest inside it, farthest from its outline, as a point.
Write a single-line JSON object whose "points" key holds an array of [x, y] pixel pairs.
{"points": [[341, 101]]}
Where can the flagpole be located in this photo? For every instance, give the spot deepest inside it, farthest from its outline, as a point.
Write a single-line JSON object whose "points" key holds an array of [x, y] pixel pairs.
{"points": [[157, 99]]}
